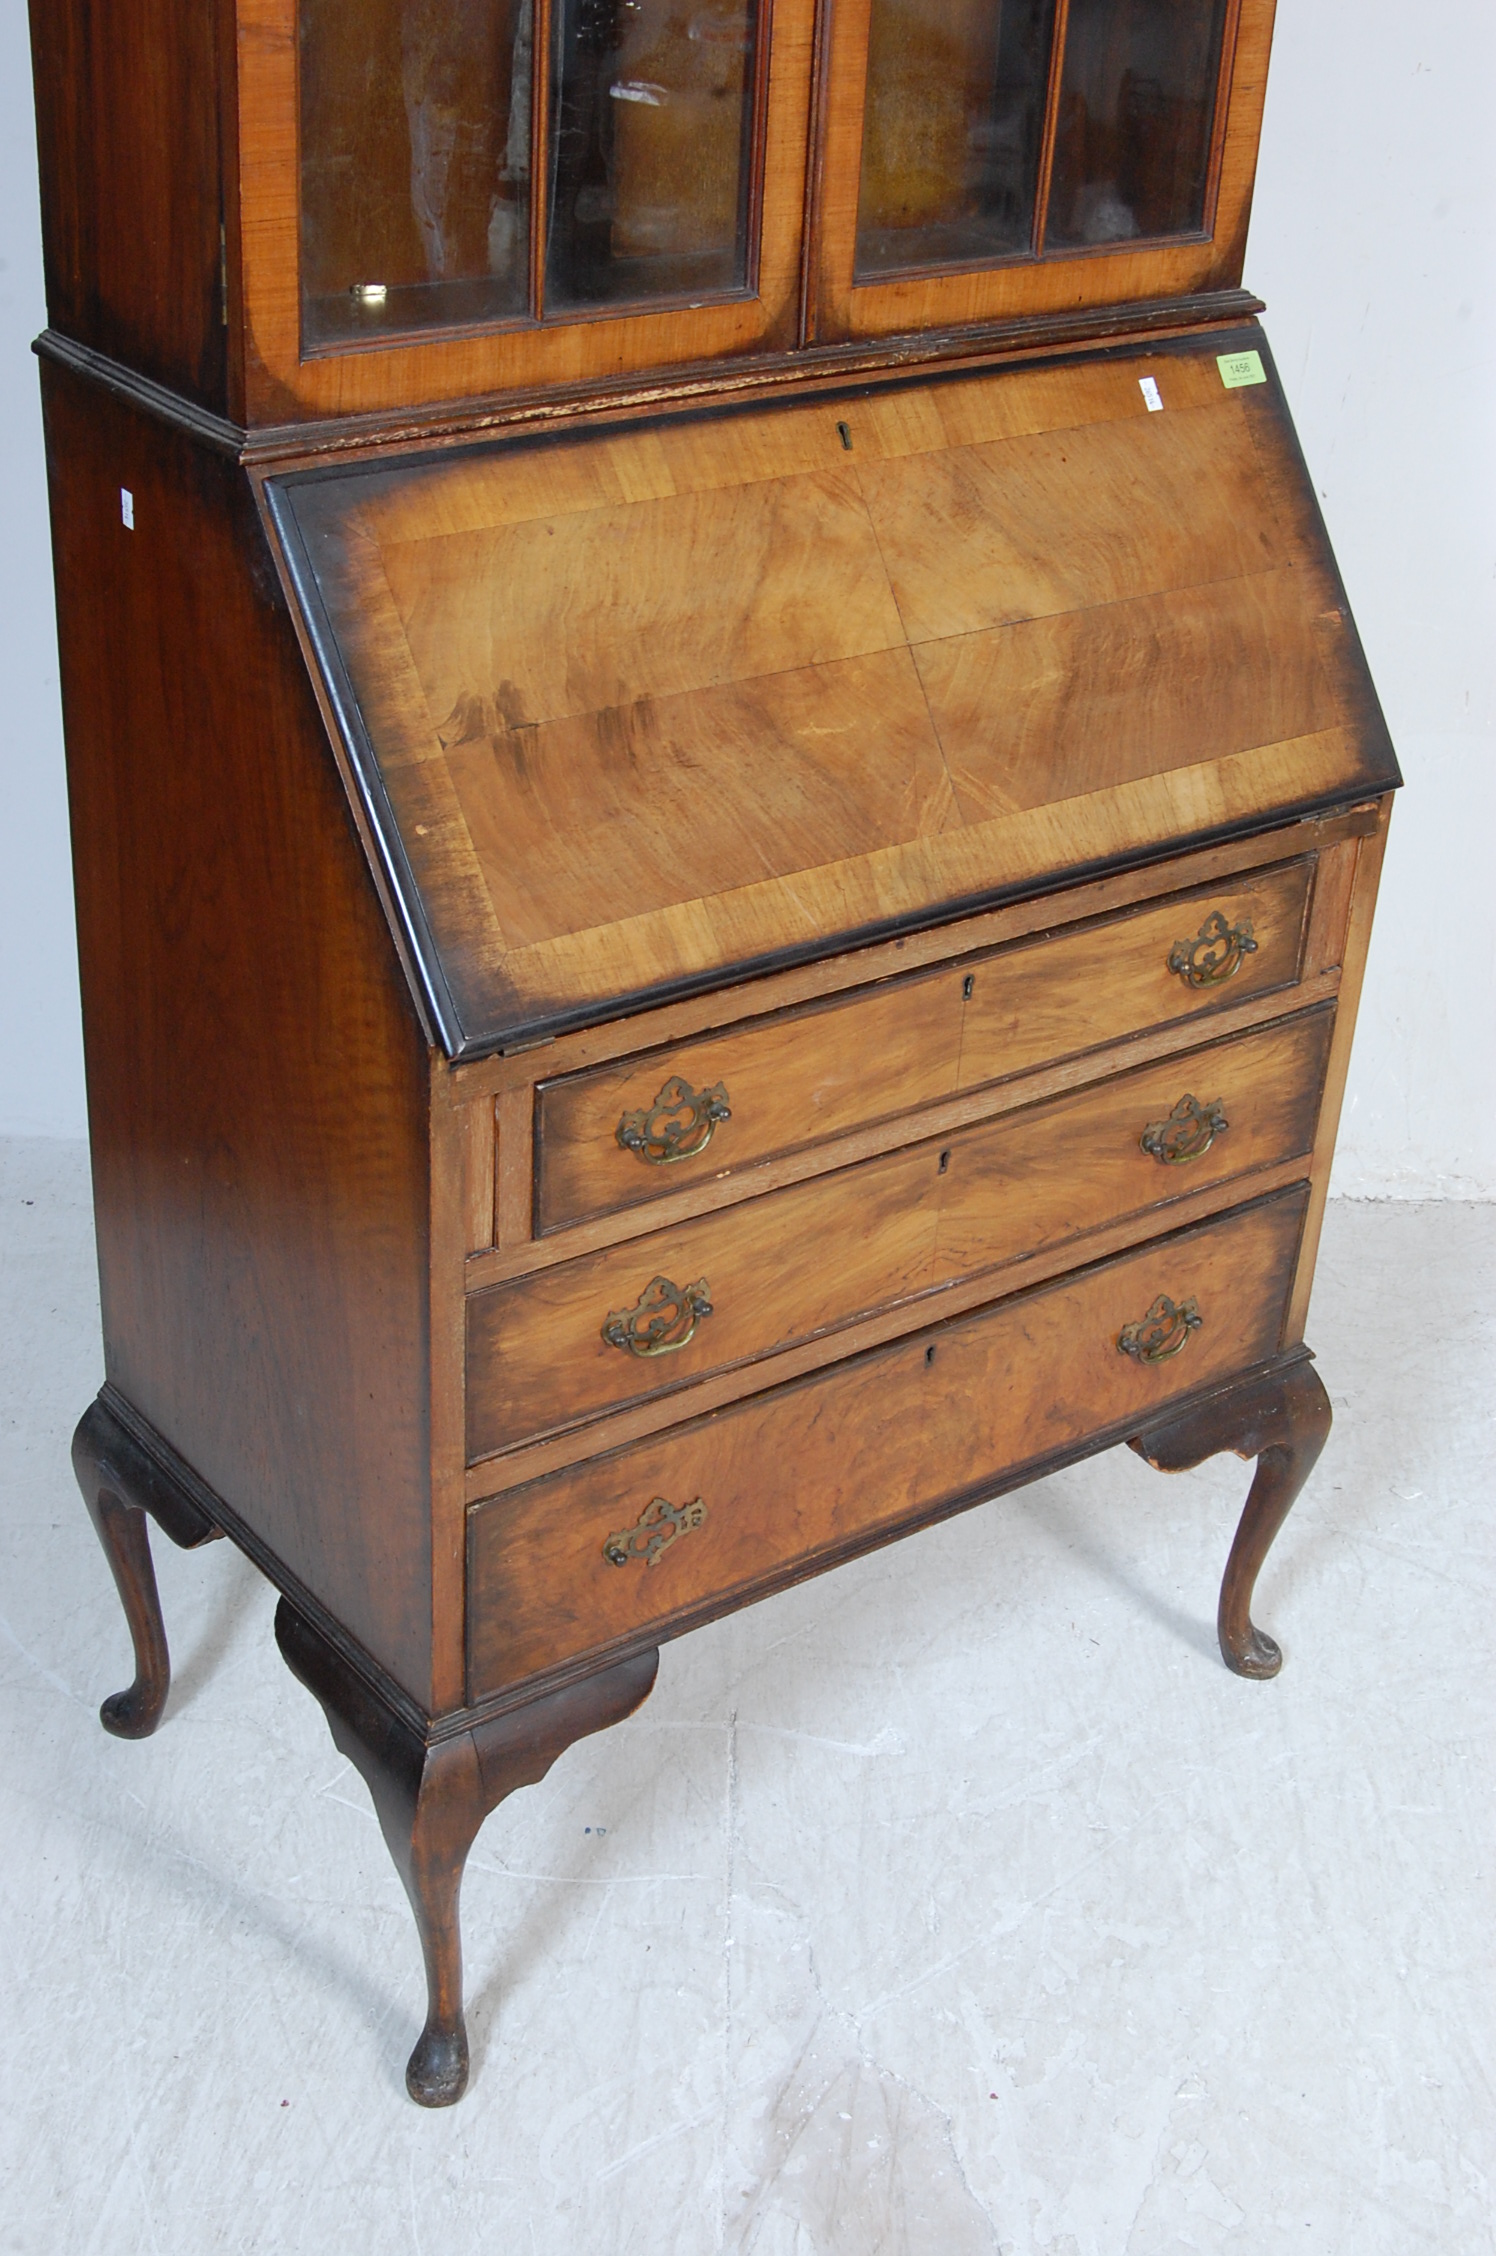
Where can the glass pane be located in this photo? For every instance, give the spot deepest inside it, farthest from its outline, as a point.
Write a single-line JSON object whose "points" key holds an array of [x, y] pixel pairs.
{"points": [[1137, 102], [415, 164], [951, 130], [651, 146]]}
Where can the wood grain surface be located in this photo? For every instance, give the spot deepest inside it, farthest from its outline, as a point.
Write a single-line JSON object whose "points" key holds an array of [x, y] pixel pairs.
{"points": [[768, 993], [1054, 997], [172, 142], [989, 290], [257, 1081], [129, 146], [814, 1074], [281, 384], [803, 1262], [1360, 873], [813, 1470], [657, 706]]}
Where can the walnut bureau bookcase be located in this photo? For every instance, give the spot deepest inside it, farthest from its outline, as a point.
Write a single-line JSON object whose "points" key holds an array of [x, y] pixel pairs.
{"points": [[726, 812]]}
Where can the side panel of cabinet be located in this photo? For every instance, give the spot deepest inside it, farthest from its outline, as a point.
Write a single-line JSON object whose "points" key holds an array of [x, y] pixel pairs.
{"points": [[1354, 872], [257, 1081], [128, 141]]}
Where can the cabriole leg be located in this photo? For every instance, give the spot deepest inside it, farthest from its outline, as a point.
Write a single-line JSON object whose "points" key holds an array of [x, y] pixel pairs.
{"points": [[432, 1794], [120, 1484], [1283, 1421]]}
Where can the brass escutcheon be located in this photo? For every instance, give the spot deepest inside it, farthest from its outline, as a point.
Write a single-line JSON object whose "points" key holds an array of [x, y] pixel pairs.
{"points": [[1189, 1131], [663, 1319], [660, 1524], [1216, 952], [680, 1123], [1163, 1332]]}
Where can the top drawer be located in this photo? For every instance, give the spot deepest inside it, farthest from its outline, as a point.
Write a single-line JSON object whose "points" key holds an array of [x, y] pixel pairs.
{"points": [[631, 1131]]}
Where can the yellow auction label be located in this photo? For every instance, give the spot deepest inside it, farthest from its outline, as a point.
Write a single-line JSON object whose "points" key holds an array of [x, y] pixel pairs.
{"points": [[1240, 368]]}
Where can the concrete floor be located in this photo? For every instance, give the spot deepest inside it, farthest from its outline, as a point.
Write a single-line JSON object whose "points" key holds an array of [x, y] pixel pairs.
{"points": [[959, 1902]]}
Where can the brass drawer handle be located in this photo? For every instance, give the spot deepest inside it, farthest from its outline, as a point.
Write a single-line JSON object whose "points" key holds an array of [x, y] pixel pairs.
{"points": [[680, 1123], [663, 1319], [1163, 1332], [1188, 1133], [660, 1524], [1215, 954]]}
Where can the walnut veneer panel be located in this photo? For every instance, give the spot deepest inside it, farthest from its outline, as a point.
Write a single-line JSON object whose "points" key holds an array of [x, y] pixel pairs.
{"points": [[1073, 991], [648, 707], [810, 1471], [805, 1076], [258, 1086], [888, 1231], [131, 158]]}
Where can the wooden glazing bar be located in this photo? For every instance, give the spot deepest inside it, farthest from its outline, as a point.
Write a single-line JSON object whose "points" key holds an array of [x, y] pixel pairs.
{"points": [[815, 175], [1051, 123], [758, 136], [540, 143]]}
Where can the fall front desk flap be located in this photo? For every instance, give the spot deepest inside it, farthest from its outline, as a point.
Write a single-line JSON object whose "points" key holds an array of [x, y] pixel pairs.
{"points": [[634, 713]]}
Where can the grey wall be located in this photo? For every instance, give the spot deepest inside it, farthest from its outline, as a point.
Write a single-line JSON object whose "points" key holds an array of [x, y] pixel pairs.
{"points": [[1374, 243], [41, 1049]]}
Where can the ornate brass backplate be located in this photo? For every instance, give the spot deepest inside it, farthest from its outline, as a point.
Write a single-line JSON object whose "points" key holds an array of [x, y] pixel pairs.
{"points": [[1163, 1332], [660, 1524], [663, 1319], [680, 1123], [1216, 952], [1189, 1131]]}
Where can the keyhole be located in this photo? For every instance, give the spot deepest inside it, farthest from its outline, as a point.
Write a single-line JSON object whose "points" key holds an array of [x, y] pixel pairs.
{"points": [[844, 433], [967, 985], [929, 1356], [945, 1160]]}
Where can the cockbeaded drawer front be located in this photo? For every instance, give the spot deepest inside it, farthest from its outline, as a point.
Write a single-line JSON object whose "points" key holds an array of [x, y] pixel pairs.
{"points": [[655, 1536], [624, 1133], [658, 1312]]}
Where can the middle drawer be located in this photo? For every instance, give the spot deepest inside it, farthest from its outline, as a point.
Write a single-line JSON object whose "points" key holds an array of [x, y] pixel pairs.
{"points": [[658, 1312]]}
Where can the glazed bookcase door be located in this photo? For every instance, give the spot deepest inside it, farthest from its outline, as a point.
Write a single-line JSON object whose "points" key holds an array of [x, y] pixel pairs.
{"points": [[438, 200], [982, 160]]}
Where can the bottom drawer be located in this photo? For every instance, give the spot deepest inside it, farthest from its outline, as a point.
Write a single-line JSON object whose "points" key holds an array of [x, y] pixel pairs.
{"points": [[655, 1535]]}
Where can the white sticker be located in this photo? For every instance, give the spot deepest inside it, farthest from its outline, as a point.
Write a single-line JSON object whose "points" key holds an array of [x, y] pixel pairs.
{"points": [[1149, 389], [127, 508]]}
